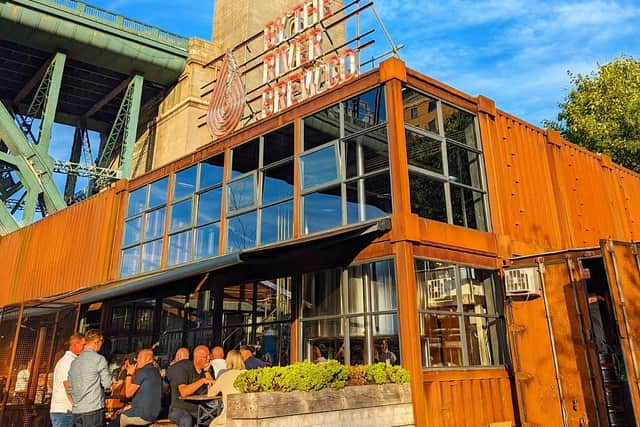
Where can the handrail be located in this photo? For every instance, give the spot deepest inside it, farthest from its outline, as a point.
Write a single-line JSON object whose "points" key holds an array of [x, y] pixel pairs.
{"points": [[118, 21]]}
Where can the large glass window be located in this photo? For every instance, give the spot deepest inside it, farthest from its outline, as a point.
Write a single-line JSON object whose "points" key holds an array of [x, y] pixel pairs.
{"points": [[260, 191], [344, 170], [445, 162], [144, 229], [461, 322], [351, 315], [195, 211]]}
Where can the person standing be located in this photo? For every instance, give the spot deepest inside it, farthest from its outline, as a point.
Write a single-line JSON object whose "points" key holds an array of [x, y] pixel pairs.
{"points": [[60, 411], [188, 378], [218, 364], [144, 384], [88, 377]]}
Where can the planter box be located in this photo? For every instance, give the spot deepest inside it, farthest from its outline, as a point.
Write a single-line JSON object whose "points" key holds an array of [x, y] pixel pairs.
{"points": [[357, 406]]}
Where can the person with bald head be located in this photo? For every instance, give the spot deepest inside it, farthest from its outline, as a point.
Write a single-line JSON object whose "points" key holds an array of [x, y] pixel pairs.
{"points": [[181, 354], [144, 384], [188, 378], [218, 364]]}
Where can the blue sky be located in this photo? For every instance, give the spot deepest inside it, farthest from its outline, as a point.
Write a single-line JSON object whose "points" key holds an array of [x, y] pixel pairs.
{"points": [[516, 52]]}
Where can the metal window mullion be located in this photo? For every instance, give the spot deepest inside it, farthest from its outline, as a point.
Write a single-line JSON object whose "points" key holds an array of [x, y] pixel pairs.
{"points": [[461, 318], [360, 182], [344, 279], [483, 178], [368, 317]]}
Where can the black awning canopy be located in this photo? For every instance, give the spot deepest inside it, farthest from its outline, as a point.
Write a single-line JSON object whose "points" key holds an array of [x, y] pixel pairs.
{"points": [[335, 248]]}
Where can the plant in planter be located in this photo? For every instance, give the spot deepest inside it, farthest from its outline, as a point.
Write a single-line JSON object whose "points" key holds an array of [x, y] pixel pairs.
{"points": [[307, 376]]}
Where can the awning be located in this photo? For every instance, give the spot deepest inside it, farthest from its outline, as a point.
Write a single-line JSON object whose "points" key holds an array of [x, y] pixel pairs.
{"points": [[333, 248]]}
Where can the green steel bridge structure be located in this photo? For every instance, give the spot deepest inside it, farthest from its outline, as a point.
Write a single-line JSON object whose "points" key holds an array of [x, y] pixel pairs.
{"points": [[68, 62]]}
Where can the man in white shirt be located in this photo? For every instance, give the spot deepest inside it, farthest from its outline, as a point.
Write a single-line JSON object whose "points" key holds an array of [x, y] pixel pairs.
{"points": [[60, 411], [217, 361]]}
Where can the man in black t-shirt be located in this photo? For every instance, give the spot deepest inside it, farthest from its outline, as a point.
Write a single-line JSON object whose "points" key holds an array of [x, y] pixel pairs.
{"points": [[188, 378], [146, 390]]}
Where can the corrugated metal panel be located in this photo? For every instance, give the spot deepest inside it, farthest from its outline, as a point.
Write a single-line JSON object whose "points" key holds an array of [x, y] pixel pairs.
{"points": [[62, 252], [548, 194], [468, 398], [520, 185], [590, 205], [630, 188]]}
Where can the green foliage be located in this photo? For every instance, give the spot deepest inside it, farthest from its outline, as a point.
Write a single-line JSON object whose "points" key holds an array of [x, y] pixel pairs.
{"points": [[602, 111], [308, 376], [381, 373]]}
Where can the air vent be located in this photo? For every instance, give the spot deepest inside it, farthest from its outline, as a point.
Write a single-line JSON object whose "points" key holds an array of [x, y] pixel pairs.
{"points": [[523, 282]]}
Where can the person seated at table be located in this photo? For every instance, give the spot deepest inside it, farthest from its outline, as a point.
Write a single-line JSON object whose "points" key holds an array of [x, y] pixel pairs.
{"points": [[181, 354], [188, 378], [224, 383], [143, 383], [250, 361], [218, 363]]}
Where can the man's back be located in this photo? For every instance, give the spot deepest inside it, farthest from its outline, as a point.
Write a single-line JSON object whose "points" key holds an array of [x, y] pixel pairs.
{"points": [[146, 403], [88, 377], [59, 400]]}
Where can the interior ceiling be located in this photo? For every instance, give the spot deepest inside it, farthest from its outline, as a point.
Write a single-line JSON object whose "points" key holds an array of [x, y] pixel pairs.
{"points": [[83, 85]]}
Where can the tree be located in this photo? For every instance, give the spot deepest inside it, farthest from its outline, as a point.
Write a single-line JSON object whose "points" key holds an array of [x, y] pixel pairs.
{"points": [[602, 111]]}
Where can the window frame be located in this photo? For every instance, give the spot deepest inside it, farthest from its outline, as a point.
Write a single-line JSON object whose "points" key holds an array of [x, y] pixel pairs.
{"points": [[460, 314], [446, 177]]}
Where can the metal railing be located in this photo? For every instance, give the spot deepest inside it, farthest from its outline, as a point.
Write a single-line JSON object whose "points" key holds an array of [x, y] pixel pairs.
{"points": [[118, 21]]}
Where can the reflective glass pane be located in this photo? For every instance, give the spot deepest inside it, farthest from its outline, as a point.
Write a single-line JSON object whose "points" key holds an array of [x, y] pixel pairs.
{"points": [[370, 151], [209, 206], [185, 182], [322, 127], [179, 248], [424, 152], [154, 224], [319, 167], [420, 111], [359, 351], [483, 345], [207, 239], [277, 183], [322, 294], [241, 193], [132, 231], [322, 210], [427, 197], [211, 171], [386, 339], [365, 110], [441, 340], [468, 208], [436, 286], [478, 291], [374, 200], [151, 254], [382, 280], [130, 261], [357, 289], [245, 158], [323, 340], [241, 232], [464, 166], [278, 145], [158, 192], [181, 215], [274, 303], [459, 125], [277, 223], [137, 201]]}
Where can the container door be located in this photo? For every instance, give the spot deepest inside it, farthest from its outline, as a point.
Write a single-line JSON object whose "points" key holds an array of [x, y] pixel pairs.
{"points": [[623, 273]]}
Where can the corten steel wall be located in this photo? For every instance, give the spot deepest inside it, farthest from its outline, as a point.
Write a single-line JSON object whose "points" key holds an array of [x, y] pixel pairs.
{"points": [[548, 194], [62, 252]]}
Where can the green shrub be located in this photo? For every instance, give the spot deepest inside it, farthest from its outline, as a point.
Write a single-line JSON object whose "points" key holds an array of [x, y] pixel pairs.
{"points": [[307, 376]]}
